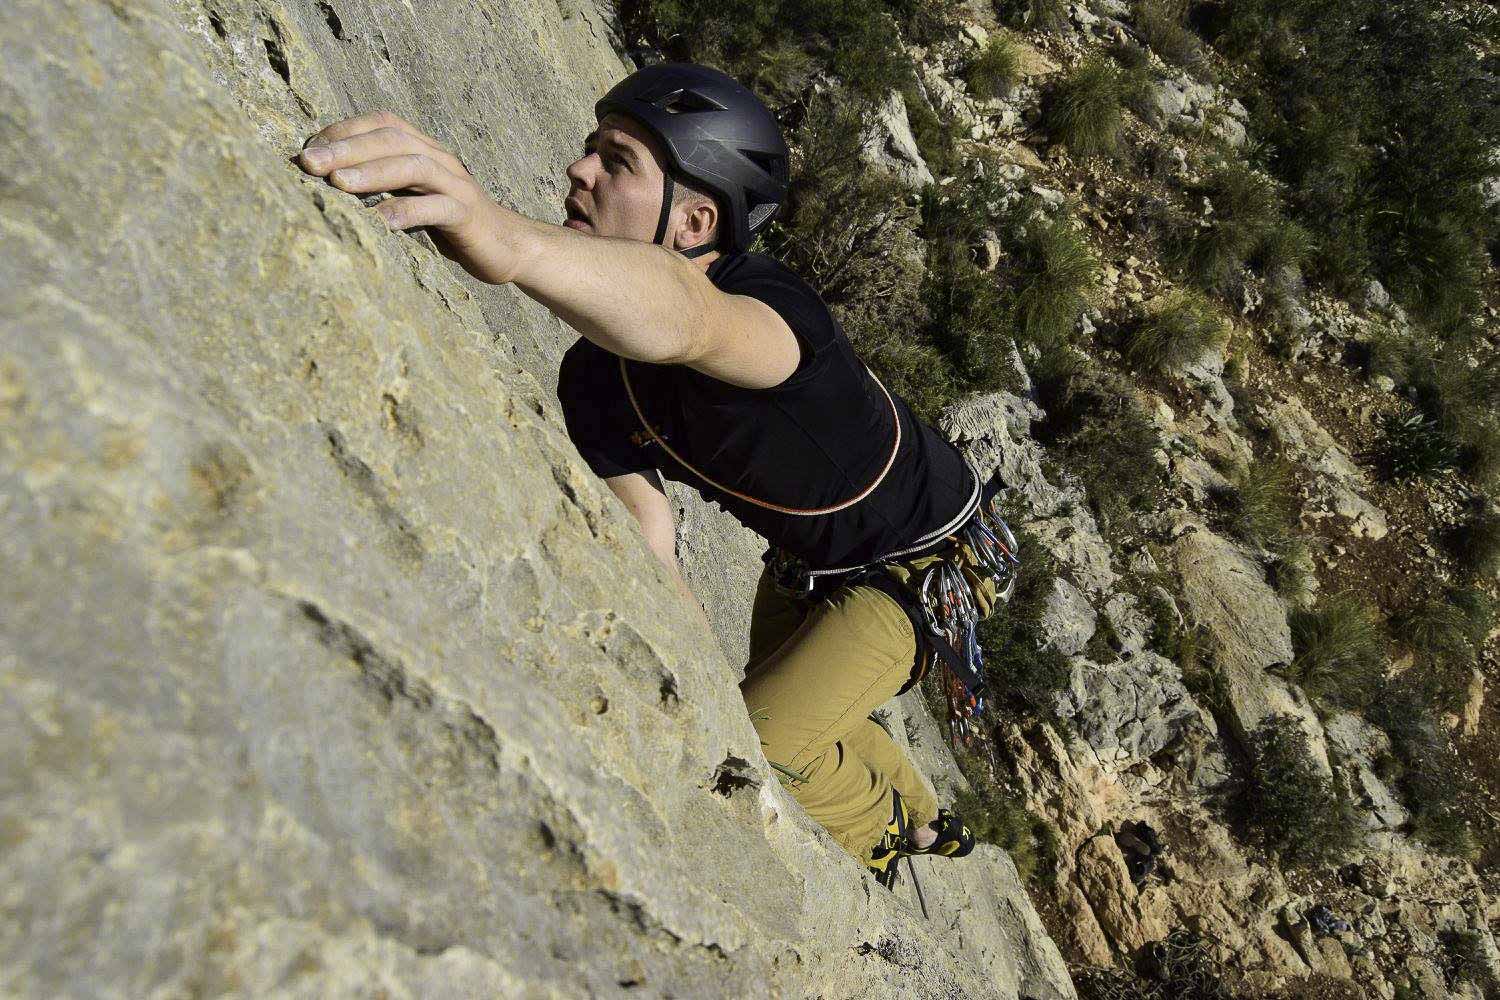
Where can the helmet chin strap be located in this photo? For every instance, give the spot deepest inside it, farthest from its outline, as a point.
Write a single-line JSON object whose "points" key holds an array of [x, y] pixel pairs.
{"points": [[661, 222]]}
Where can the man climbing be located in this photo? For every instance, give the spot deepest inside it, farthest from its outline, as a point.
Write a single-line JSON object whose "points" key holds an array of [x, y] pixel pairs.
{"points": [[722, 369]]}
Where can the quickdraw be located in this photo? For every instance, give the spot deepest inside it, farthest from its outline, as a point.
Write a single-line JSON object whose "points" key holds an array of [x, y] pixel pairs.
{"points": [[951, 614]]}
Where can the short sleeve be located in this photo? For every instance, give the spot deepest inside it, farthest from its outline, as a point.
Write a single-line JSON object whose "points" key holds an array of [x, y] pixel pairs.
{"points": [[799, 307], [597, 412]]}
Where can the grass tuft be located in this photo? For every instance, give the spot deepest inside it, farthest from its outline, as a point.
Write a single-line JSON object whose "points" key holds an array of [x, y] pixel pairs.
{"points": [[1051, 268], [1259, 503], [1163, 24], [995, 70], [1284, 244], [1084, 110], [1178, 333], [1242, 212], [1340, 652]]}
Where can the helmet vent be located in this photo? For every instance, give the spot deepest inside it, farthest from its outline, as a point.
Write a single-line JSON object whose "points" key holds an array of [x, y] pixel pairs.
{"points": [[687, 102], [761, 214], [772, 163]]}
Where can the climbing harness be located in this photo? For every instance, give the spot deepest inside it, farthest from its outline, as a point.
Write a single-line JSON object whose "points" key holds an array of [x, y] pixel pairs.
{"points": [[942, 605]]}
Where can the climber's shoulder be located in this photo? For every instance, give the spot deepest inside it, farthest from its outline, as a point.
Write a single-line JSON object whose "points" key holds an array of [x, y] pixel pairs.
{"points": [[781, 326]]}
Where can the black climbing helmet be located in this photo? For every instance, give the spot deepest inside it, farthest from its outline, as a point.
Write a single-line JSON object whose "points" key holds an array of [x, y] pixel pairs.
{"points": [[717, 135]]}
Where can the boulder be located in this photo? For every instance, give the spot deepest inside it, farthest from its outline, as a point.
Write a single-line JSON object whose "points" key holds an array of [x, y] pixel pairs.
{"points": [[893, 147], [1227, 593], [1341, 483], [1357, 744], [1067, 619]]}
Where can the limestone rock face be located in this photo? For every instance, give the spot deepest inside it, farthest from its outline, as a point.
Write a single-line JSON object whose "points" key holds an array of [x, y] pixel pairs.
{"points": [[1228, 593], [326, 667], [892, 145], [1341, 484]]}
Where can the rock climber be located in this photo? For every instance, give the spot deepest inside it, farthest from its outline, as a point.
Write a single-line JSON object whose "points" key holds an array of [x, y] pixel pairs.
{"points": [[721, 368]]}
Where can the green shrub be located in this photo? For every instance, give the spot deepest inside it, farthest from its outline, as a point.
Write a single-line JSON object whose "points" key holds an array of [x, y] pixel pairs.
{"points": [[1001, 819], [1433, 266], [994, 70], [1167, 635], [1137, 90], [1456, 395], [843, 222], [1293, 574], [1340, 652], [1289, 802], [1463, 957], [1178, 333], [1259, 503], [1050, 269], [1162, 23], [1432, 779], [1202, 673], [1413, 446], [970, 316], [968, 326], [1129, 55], [1083, 111], [1479, 449]]}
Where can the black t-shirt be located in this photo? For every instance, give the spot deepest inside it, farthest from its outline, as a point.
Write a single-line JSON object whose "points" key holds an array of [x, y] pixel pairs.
{"points": [[817, 439]]}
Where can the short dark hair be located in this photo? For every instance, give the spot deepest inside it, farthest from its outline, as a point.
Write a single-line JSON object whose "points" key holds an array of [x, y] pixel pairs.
{"points": [[683, 192]]}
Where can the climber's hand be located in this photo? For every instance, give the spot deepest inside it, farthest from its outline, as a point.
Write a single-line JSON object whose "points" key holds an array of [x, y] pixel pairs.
{"points": [[380, 152]]}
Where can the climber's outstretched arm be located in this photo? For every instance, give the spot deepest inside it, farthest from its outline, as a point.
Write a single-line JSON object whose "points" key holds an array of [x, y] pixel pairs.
{"points": [[635, 299]]}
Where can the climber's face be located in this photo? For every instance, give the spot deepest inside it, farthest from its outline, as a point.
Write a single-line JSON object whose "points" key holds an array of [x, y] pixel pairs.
{"points": [[617, 184]]}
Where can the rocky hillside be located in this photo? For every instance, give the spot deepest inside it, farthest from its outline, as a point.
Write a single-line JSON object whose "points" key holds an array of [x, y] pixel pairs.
{"points": [[1255, 485], [1218, 639], [329, 668]]}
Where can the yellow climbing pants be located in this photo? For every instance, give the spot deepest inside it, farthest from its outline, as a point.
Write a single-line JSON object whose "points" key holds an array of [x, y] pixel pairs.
{"points": [[817, 669]]}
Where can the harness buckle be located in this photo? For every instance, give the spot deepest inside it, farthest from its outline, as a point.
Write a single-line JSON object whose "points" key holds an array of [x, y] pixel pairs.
{"points": [[789, 575]]}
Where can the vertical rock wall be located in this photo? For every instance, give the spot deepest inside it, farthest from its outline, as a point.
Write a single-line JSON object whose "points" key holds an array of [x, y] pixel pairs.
{"points": [[325, 665]]}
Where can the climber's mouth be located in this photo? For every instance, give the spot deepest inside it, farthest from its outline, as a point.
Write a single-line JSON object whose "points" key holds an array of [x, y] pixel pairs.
{"points": [[576, 217]]}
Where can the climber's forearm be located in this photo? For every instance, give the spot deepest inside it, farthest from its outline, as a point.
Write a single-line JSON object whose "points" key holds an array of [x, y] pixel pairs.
{"points": [[634, 299], [697, 606]]}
